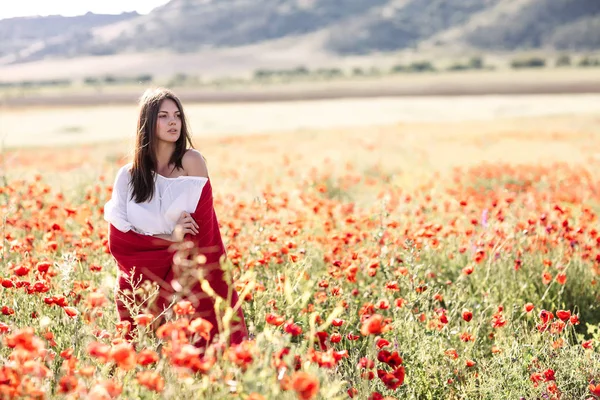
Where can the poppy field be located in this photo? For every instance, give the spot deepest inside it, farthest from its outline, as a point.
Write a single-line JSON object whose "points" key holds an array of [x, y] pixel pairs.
{"points": [[417, 261]]}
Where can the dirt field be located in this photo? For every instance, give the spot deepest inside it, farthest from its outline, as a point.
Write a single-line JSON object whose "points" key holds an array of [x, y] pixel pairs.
{"points": [[547, 81], [77, 125]]}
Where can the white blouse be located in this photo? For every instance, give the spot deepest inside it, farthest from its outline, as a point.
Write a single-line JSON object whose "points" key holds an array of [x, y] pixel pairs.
{"points": [[158, 215]]}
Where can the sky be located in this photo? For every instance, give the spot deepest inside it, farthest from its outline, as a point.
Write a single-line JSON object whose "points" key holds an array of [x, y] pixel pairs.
{"points": [[22, 8]]}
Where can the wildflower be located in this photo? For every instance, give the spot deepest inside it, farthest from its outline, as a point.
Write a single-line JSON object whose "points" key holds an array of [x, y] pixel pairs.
{"points": [[563, 315], [71, 311], [184, 307], [274, 319], [305, 385], [291, 328], [452, 353], [374, 325], [467, 315], [391, 359], [123, 355], [335, 338], [546, 316], [151, 380], [201, 327], [147, 357], [392, 380], [143, 319]]}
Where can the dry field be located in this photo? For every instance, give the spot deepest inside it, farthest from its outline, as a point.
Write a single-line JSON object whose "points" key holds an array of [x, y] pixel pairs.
{"points": [[52, 125], [384, 250]]}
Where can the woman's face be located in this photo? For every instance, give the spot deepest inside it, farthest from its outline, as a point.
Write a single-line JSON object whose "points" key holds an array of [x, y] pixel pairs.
{"points": [[168, 122]]}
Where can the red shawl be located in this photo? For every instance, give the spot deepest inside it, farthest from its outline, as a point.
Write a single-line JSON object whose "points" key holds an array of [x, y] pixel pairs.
{"points": [[152, 258]]}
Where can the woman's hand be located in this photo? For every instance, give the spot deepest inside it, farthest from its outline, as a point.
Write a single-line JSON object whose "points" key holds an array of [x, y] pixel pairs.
{"points": [[185, 224]]}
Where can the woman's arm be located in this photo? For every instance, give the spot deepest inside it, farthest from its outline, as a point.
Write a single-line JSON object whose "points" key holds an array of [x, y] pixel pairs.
{"points": [[185, 224], [115, 210]]}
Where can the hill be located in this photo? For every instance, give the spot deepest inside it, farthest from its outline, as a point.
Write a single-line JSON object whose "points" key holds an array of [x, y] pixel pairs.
{"points": [[339, 27], [23, 38]]}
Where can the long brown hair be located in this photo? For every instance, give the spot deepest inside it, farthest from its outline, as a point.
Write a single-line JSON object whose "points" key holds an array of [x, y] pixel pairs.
{"points": [[144, 158]]}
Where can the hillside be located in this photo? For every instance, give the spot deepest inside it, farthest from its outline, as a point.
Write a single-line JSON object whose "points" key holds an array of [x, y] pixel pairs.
{"points": [[343, 27], [403, 24], [559, 24], [35, 35]]}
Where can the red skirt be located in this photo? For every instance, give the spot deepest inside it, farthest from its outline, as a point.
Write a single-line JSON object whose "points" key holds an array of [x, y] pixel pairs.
{"points": [[153, 259]]}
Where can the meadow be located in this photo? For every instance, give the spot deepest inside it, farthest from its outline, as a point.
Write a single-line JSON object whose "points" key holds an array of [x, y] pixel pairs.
{"points": [[416, 260]]}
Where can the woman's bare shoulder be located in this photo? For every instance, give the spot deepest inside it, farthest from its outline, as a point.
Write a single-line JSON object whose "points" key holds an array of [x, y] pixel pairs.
{"points": [[194, 164]]}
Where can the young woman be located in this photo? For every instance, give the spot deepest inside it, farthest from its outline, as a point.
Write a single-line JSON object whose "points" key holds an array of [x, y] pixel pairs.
{"points": [[164, 196]]}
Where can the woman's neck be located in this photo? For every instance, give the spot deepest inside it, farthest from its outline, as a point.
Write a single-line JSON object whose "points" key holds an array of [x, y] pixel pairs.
{"points": [[164, 151]]}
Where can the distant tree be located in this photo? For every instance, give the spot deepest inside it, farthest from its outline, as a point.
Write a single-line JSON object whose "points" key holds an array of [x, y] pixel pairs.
{"points": [[399, 68], [262, 73], [286, 73], [89, 80], [585, 62], [458, 67], [533, 62], [55, 82], [330, 72], [178, 79], [301, 70], [588, 62], [144, 78], [374, 71], [421, 66], [476, 63], [563, 61]]}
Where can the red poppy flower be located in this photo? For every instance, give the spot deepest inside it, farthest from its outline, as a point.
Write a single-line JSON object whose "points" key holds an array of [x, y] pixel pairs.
{"points": [[563, 315], [467, 315], [305, 385]]}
